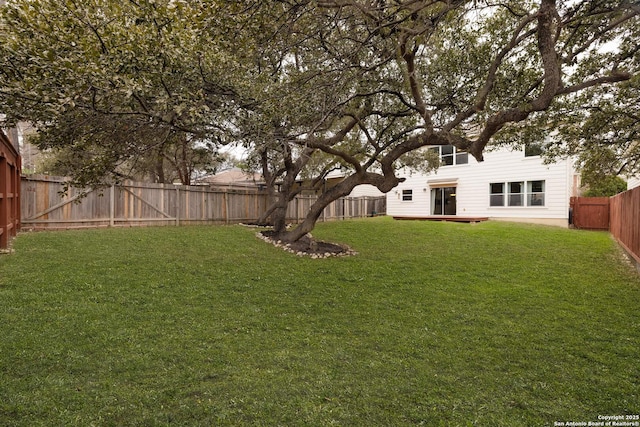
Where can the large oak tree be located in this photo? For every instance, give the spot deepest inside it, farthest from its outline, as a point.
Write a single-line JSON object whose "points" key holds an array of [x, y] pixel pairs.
{"points": [[308, 85], [388, 78]]}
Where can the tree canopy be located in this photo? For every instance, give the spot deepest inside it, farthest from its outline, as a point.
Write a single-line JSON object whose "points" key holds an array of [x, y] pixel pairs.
{"points": [[112, 82], [309, 85]]}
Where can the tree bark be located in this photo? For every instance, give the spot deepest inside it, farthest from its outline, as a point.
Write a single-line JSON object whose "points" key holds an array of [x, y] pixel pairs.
{"points": [[159, 169], [270, 182]]}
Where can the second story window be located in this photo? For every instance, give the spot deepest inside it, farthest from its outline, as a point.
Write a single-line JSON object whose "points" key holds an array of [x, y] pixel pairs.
{"points": [[533, 149], [449, 155]]}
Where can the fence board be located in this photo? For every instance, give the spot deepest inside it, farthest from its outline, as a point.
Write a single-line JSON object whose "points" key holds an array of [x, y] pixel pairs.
{"points": [[590, 213], [139, 204], [625, 221], [9, 191]]}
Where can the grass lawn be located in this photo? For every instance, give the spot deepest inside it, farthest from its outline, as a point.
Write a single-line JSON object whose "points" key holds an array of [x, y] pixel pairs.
{"points": [[436, 324]]}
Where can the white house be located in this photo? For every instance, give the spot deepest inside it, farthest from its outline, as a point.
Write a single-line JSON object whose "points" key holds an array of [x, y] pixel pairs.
{"points": [[508, 185]]}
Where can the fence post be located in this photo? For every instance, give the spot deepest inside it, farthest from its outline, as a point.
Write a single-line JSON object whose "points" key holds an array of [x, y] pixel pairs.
{"points": [[225, 201], [177, 206], [112, 205]]}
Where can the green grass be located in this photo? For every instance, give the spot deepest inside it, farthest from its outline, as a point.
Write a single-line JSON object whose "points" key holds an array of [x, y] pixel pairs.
{"points": [[448, 324]]}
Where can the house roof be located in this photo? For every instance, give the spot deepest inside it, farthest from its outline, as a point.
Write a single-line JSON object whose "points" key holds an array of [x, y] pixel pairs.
{"points": [[235, 177]]}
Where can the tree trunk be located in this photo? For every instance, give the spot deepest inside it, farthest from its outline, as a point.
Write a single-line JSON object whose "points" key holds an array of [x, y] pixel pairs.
{"points": [[384, 183], [279, 214], [270, 179], [264, 218], [159, 169], [278, 211]]}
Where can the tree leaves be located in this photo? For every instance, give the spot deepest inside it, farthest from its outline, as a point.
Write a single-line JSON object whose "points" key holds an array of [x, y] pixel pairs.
{"points": [[344, 82]]}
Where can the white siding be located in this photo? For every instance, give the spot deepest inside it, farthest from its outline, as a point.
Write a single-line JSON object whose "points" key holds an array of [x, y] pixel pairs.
{"points": [[633, 182], [473, 181]]}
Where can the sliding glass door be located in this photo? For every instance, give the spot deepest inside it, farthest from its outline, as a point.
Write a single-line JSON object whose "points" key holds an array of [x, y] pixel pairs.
{"points": [[443, 201]]}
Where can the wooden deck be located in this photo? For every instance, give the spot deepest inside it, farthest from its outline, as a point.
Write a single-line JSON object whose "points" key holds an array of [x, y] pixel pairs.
{"points": [[453, 218]]}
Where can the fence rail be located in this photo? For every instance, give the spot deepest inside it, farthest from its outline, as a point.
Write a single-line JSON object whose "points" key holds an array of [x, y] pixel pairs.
{"points": [[9, 191], [625, 221], [138, 204]]}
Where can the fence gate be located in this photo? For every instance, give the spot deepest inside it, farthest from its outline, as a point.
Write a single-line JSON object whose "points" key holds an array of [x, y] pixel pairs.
{"points": [[590, 213]]}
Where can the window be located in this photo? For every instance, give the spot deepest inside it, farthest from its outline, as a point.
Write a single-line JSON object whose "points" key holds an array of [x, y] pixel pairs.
{"points": [[449, 155], [446, 154], [517, 193], [532, 149], [497, 194], [462, 158], [535, 193], [407, 195]]}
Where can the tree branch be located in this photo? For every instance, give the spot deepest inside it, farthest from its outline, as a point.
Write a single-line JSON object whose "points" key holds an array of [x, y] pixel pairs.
{"points": [[615, 77], [483, 93], [547, 20]]}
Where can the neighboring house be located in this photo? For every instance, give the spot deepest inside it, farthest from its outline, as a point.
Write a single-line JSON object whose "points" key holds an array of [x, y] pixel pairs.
{"points": [[335, 177], [508, 185], [363, 190], [633, 182], [237, 179], [234, 179], [366, 190]]}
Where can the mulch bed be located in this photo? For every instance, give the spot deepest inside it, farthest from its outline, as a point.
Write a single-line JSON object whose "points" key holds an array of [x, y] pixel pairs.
{"points": [[307, 246]]}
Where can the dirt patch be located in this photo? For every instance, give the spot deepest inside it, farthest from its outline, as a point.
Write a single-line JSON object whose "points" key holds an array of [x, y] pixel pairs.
{"points": [[307, 246]]}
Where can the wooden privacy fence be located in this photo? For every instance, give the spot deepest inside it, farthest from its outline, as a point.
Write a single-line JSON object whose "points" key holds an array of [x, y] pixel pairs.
{"points": [[139, 204], [625, 221], [9, 191], [620, 215], [590, 213]]}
